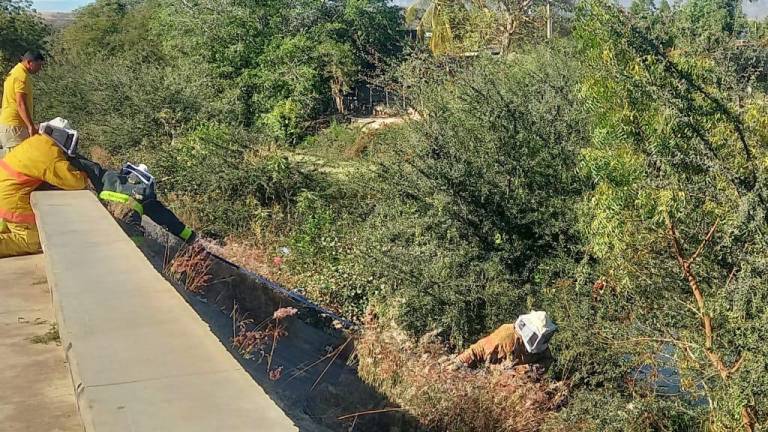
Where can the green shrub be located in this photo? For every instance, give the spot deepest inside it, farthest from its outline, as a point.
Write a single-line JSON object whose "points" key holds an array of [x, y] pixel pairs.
{"points": [[478, 193], [332, 143], [605, 411], [233, 185], [20, 30], [314, 238]]}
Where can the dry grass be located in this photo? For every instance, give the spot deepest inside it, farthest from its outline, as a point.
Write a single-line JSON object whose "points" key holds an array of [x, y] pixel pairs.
{"points": [[191, 267], [449, 400], [101, 156], [247, 255], [252, 341], [361, 144], [183, 207], [263, 260], [52, 335], [118, 211]]}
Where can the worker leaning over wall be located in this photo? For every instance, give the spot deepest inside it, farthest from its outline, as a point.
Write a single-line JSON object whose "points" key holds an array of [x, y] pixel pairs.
{"points": [[39, 159], [133, 186]]}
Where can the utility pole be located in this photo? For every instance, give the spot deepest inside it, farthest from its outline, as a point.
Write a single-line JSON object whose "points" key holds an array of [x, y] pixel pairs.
{"points": [[549, 20]]}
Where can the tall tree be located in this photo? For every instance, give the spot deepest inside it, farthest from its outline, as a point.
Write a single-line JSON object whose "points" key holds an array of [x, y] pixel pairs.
{"points": [[642, 8], [708, 26], [664, 7], [678, 207], [459, 25], [436, 22], [20, 30]]}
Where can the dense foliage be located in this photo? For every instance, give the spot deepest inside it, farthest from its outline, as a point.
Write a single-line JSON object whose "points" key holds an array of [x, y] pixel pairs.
{"points": [[20, 30], [469, 220], [613, 174]]}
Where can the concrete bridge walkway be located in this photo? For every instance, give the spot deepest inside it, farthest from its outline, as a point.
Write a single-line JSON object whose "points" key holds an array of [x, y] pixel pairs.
{"points": [[139, 358], [36, 391]]}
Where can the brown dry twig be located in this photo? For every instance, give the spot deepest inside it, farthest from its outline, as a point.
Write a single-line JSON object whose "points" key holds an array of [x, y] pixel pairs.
{"points": [[279, 314], [357, 414], [331, 353], [250, 339], [338, 351], [412, 376]]}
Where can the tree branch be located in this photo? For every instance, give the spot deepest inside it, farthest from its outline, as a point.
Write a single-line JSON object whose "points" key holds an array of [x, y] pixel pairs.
{"points": [[704, 243], [685, 266]]}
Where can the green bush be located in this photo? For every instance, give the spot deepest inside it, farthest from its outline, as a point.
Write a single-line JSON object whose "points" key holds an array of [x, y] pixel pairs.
{"points": [[604, 411], [232, 186], [314, 237], [20, 30], [476, 195], [333, 143], [579, 176]]}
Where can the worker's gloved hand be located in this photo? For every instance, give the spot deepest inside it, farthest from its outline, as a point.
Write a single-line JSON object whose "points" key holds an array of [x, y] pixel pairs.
{"points": [[93, 170]]}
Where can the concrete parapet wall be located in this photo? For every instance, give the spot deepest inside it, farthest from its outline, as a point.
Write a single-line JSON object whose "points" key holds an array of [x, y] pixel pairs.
{"points": [[141, 358]]}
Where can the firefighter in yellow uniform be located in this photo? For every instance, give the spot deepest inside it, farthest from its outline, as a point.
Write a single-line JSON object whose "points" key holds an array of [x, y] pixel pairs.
{"points": [[526, 342], [37, 160]]}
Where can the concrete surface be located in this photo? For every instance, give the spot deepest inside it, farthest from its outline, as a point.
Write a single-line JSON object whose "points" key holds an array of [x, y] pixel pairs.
{"points": [[36, 391], [141, 359]]}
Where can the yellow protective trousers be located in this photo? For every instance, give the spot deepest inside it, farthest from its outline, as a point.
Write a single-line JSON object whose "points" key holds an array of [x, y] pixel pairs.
{"points": [[18, 239]]}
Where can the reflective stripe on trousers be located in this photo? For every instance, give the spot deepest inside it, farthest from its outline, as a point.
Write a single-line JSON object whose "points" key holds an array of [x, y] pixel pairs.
{"points": [[122, 198], [23, 180]]}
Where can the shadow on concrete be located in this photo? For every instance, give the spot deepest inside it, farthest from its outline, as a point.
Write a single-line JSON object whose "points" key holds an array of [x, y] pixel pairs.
{"points": [[313, 405]]}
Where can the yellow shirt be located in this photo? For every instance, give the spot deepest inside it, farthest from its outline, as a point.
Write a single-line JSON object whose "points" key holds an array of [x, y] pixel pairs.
{"points": [[17, 81]]}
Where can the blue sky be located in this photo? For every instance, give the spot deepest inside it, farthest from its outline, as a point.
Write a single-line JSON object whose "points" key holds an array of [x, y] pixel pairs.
{"points": [[756, 9]]}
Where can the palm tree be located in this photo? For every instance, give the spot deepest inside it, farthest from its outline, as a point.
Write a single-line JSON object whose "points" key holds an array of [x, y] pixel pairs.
{"points": [[435, 20], [512, 16]]}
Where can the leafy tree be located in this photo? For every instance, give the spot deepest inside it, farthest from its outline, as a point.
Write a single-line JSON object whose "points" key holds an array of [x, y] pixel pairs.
{"points": [[641, 8], [707, 26], [20, 30], [270, 51], [268, 65], [676, 212], [456, 26], [664, 8], [436, 20]]}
